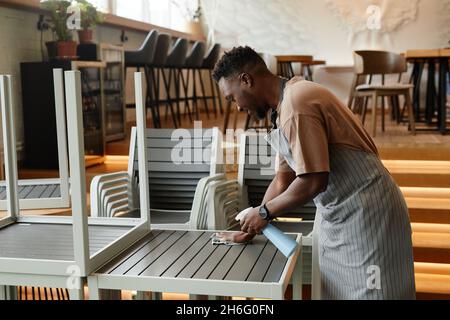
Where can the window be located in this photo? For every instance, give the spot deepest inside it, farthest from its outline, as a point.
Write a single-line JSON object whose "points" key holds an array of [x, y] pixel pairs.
{"points": [[165, 13], [102, 5]]}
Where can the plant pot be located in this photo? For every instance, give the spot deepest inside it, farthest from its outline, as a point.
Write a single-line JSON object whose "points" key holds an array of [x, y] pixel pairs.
{"points": [[52, 50], [67, 50], [194, 27], [85, 35]]}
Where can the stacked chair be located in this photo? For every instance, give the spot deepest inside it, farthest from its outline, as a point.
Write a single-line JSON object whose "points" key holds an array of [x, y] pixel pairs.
{"points": [[179, 188]]}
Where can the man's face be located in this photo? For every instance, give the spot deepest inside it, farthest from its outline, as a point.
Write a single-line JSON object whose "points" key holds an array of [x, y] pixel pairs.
{"points": [[244, 91]]}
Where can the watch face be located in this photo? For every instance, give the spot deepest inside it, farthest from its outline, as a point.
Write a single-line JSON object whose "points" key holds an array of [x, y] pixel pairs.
{"points": [[263, 212]]}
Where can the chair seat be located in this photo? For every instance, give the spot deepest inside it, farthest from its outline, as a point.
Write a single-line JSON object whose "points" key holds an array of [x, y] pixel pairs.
{"points": [[395, 86], [169, 217], [135, 58], [160, 216]]}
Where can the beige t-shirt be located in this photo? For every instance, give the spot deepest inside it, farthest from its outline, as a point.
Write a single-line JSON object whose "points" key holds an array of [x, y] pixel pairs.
{"points": [[312, 119]]}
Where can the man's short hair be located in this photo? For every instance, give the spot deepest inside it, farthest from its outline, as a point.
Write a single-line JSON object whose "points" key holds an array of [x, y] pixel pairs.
{"points": [[236, 61]]}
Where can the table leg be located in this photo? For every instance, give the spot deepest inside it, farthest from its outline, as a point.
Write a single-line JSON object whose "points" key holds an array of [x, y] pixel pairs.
{"points": [[291, 71], [417, 80], [442, 99], [431, 92]]}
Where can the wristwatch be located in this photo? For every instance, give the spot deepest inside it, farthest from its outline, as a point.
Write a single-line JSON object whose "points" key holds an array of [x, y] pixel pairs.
{"points": [[264, 213]]}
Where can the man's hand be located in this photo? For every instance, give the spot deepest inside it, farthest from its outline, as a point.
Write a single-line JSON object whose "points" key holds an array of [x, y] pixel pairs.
{"points": [[236, 237], [253, 223]]}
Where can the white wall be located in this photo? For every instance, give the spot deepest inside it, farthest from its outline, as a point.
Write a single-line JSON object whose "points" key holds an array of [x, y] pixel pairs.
{"points": [[329, 29], [324, 28]]}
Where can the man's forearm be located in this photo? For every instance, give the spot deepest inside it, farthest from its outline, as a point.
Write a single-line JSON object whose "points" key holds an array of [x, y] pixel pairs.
{"points": [[278, 185]]}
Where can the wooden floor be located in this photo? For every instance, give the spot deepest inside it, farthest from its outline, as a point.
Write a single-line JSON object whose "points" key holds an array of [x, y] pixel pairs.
{"points": [[425, 145]]}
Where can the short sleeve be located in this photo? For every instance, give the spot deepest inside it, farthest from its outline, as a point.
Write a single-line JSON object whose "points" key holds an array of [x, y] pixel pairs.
{"points": [[281, 164], [308, 141]]}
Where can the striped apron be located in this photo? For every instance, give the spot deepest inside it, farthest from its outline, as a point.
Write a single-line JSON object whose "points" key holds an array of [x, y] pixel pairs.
{"points": [[362, 229]]}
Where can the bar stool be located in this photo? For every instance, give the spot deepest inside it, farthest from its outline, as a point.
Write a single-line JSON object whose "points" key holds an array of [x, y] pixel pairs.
{"points": [[154, 70], [175, 63], [194, 62], [208, 64], [142, 58]]}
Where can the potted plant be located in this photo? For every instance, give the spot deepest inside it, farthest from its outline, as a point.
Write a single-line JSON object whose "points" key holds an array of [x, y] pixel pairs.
{"points": [[66, 47], [192, 15], [89, 18]]}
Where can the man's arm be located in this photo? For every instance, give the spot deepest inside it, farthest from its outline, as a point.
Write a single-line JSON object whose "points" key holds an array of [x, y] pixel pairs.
{"points": [[279, 184], [303, 189]]}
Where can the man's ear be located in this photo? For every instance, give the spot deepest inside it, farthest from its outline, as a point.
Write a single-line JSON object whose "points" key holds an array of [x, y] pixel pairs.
{"points": [[246, 79]]}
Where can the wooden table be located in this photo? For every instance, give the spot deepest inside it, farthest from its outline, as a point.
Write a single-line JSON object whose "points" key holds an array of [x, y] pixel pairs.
{"points": [[420, 58], [285, 64]]}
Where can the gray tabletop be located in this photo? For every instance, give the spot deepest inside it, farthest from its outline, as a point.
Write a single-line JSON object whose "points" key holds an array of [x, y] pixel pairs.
{"points": [[191, 255], [51, 241]]}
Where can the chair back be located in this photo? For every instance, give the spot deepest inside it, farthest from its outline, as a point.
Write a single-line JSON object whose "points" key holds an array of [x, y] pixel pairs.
{"points": [[368, 62], [195, 58], [212, 57], [177, 56], [162, 50], [177, 160]]}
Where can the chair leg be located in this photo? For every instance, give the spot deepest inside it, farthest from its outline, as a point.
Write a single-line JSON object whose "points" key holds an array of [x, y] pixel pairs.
{"points": [[412, 123], [397, 109], [383, 111], [176, 80], [202, 87], [374, 114], [363, 106], [391, 105], [149, 97], [213, 93], [310, 73], [157, 82], [219, 97], [185, 84], [194, 96], [227, 116], [169, 102]]}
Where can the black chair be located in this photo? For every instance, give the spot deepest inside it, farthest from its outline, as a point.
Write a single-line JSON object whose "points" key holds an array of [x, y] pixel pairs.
{"points": [[194, 63], [143, 58], [208, 64], [144, 55], [175, 63], [155, 71]]}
